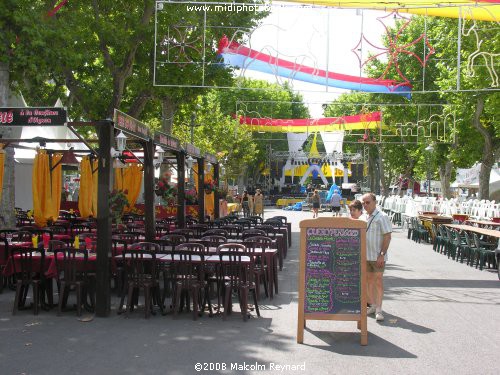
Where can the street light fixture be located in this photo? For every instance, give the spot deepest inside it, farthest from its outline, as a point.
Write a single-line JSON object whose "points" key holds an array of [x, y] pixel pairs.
{"points": [[121, 141]]}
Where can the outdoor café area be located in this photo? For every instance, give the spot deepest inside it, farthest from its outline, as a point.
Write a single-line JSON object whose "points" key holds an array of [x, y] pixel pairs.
{"points": [[466, 231], [79, 259]]}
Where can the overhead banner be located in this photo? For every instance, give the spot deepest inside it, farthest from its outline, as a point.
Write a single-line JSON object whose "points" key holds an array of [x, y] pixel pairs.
{"points": [[235, 54], [484, 10], [49, 116], [327, 124]]}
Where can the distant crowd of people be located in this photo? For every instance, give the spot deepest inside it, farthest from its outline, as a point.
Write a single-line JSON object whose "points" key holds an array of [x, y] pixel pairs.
{"points": [[252, 204]]}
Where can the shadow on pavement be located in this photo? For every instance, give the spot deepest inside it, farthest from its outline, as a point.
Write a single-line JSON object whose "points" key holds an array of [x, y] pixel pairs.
{"points": [[393, 321], [397, 282], [348, 343]]}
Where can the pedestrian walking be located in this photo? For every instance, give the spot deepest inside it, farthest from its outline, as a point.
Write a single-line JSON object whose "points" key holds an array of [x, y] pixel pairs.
{"points": [[245, 204], [335, 201], [378, 238], [258, 203], [315, 200]]}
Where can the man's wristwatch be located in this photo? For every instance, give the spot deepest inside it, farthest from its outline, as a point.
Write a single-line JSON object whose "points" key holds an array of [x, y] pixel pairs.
{"points": [[382, 253]]}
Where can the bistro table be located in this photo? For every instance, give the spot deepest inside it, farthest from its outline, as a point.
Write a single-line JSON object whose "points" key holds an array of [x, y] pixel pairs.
{"points": [[428, 218], [471, 228], [483, 223]]}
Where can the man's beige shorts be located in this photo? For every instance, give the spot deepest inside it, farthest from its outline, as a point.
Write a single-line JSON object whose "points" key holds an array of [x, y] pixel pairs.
{"points": [[372, 267]]}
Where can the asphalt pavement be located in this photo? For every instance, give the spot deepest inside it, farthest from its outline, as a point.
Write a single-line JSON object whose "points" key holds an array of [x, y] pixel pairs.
{"points": [[441, 317]]}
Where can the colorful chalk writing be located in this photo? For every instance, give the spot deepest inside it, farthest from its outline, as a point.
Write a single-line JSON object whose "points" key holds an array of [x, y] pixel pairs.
{"points": [[333, 271]]}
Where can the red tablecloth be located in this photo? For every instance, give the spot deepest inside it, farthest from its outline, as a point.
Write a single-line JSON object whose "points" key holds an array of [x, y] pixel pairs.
{"points": [[3, 256]]}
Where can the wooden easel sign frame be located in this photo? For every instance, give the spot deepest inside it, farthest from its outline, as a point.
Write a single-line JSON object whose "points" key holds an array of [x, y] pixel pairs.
{"points": [[332, 272]]}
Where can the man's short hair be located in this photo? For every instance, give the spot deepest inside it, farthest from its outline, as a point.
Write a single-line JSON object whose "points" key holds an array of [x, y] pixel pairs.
{"points": [[371, 195]]}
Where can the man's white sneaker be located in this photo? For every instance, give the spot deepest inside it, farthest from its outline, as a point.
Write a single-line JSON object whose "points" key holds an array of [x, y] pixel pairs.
{"points": [[379, 317], [371, 310]]}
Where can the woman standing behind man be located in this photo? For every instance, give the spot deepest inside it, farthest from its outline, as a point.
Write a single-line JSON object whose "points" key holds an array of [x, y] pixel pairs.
{"points": [[245, 204], [258, 203], [315, 200]]}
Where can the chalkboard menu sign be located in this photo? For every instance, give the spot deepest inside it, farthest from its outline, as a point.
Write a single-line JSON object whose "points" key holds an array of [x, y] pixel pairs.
{"points": [[332, 272]]}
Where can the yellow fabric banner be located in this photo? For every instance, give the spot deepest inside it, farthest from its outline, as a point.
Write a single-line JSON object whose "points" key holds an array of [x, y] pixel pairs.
{"points": [[86, 188], [42, 197], [56, 186]]}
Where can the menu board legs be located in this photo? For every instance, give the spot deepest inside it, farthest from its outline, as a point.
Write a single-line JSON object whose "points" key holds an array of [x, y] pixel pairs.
{"points": [[332, 273]]}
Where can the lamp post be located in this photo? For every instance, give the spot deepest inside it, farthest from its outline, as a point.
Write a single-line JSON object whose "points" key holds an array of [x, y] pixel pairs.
{"points": [[429, 150]]}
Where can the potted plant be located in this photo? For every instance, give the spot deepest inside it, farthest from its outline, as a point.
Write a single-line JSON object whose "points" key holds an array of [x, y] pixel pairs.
{"points": [[117, 203], [165, 190], [191, 196], [210, 186]]}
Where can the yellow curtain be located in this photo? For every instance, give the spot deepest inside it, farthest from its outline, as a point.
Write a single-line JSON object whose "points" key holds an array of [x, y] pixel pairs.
{"points": [[95, 184], [42, 194], [209, 198], [86, 188], [118, 180], [2, 160], [132, 180], [56, 188]]}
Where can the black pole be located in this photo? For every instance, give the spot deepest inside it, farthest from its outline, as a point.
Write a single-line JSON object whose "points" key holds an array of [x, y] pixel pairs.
{"points": [[149, 183], [201, 191], [103, 289], [181, 202], [216, 192]]}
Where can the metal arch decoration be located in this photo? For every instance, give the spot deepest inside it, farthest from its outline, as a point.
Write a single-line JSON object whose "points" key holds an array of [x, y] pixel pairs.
{"points": [[438, 127], [395, 49], [178, 41], [488, 57]]}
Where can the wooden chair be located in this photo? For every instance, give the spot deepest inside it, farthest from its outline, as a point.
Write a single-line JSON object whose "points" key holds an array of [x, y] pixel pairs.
{"points": [[236, 274], [27, 274], [72, 274], [189, 279], [141, 273]]}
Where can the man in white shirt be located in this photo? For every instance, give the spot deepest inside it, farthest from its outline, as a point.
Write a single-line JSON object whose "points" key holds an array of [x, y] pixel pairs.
{"points": [[378, 238], [335, 201]]}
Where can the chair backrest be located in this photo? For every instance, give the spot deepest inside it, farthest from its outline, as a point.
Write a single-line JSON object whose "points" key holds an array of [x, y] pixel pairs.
{"points": [[257, 242], [76, 229], [282, 218], [22, 236], [468, 240], [140, 266], [269, 229], [256, 219], [56, 245], [186, 232], [174, 239], [185, 270], [274, 222], [231, 246], [195, 247], [24, 265], [252, 232], [198, 229], [162, 229], [233, 230], [245, 223], [67, 260], [217, 232], [236, 266], [145, 246], [213, 240]]}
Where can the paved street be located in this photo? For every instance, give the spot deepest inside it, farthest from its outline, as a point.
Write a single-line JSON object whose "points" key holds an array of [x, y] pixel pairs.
{"points": [[442, 317]]}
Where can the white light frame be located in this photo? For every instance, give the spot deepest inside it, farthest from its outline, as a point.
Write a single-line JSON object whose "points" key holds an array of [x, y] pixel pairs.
{"points": [[121, 141]]}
